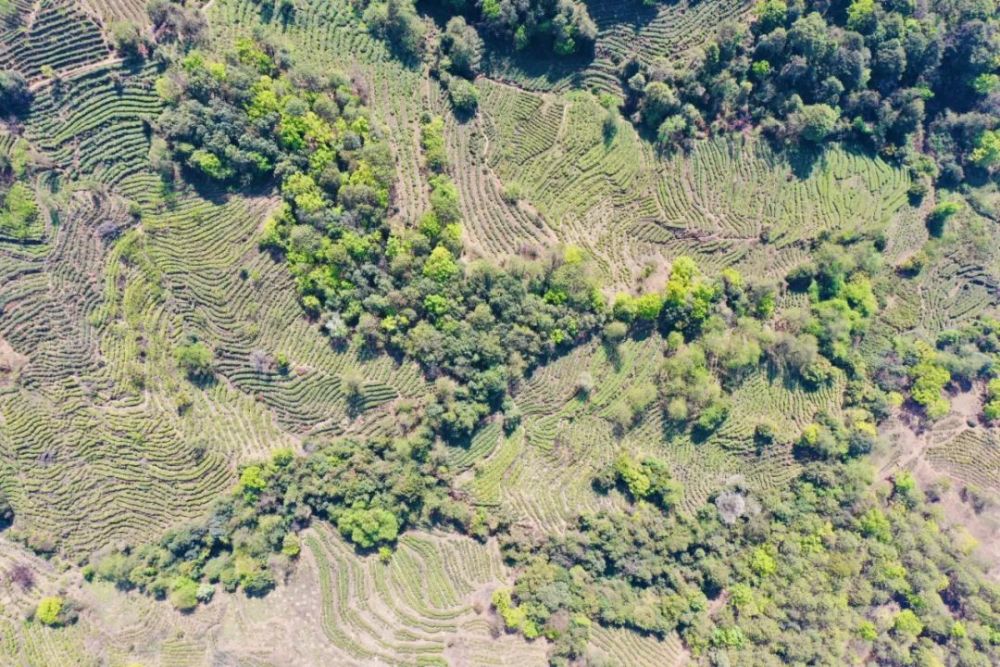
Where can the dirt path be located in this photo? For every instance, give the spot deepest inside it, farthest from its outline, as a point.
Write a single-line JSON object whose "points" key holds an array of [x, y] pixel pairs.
{"points": [[77, 71], [910, 443]]}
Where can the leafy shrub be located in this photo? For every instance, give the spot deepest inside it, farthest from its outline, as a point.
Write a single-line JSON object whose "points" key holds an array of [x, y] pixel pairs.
{"points": [[940, 215], [463, 95], [368, 527], [195, 359], [49, 611]]}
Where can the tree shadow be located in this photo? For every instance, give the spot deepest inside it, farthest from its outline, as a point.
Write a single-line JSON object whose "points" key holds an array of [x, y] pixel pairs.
{"points": [[280, 11], [356, 404], [673, 431], [613, 354], [803, 160], [464, 116], [219, 193], [203, 381], [634, 13]]}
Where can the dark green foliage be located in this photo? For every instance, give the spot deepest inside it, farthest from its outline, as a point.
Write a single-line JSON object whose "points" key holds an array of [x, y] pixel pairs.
{"points": [[15, 98], [880, 73], [562, 26], [128, 40], [462, 48], [813, 122], [173, 21], [398, 22]]}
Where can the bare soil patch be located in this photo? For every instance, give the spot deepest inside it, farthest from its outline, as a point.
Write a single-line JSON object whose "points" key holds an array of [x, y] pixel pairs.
{"points": [[11, 362]]}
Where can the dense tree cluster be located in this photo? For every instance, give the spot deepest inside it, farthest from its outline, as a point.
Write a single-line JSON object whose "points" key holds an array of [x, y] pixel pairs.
{"points": [[407, 290], [174, 22], [370, 491], [907, 81], [561, 26], [247, 120], [920, 371], [398, 22], [842, 303], [827, 569], [564, 26]]}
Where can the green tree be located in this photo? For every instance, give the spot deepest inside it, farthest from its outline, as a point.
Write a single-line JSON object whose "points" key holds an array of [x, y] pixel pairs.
{"points": [[18, 211], [463, 95], [987, 151], [184, 594], [440, 265], [907, 623], [211, 165], [49, 611], [432, 141], [195, 359], [397, 20], [940, 215], [815, 122], [252, 481], [368, 527], [463, 47], [127, 39], [770, 14], [930, 378]]}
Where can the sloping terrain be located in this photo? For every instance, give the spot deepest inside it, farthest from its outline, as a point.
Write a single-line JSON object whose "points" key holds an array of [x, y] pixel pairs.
{"points": [[106, 443]]}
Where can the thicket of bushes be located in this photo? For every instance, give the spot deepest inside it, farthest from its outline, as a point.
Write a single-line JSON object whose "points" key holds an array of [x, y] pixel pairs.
{"points": [[371, 491], [921, 86]]}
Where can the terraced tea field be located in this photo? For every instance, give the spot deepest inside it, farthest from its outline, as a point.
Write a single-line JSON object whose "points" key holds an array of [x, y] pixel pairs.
{"points": [[627, 30], [58, 34], [104, 439], [541, 473], [632, 207], [106, 443]]}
